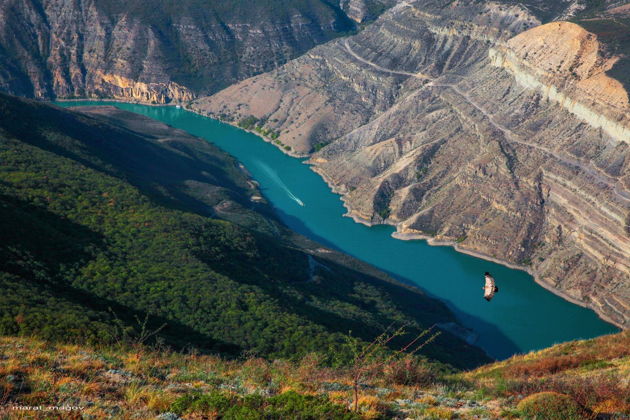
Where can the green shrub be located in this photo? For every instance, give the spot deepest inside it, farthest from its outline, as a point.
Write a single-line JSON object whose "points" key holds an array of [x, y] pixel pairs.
{"points": [[384, 213], [239, 412], [292, 405], [289, 405], [213, 402], [319, 146], [551, 406], [248, 122]]}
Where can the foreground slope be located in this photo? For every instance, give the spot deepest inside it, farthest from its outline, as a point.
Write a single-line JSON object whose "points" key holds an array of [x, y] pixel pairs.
{"points": [[593, 373], [472, 124], [589, 378], [104, 225]]}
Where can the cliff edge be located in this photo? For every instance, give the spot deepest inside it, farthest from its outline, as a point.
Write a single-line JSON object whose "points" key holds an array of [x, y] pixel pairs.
{"points": [[471, 125]]}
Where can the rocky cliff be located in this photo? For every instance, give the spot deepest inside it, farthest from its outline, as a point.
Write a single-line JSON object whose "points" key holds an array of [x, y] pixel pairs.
{"points": [[126, 49], [471, 124], [364, 10]]}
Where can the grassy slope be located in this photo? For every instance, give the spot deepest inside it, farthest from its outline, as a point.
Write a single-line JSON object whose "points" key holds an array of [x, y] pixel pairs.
{"points": [[595, 373], [121, 381], [102, 225]]}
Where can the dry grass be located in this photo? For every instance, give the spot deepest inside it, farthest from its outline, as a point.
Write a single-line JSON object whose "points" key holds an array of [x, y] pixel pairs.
{"points": [[107, 382], [438, 413], [595, 373]]}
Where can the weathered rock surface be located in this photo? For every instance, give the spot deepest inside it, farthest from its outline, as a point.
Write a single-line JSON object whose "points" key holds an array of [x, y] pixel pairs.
{"points": [[128, 50], [364, 10], [472, 125]]}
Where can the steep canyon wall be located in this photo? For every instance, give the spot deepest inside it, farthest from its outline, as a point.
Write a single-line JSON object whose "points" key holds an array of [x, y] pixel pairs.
{"points": [[472, 125]]}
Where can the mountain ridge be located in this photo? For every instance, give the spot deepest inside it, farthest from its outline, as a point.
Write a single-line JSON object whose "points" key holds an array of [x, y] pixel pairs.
{"points": [[544, 182]]}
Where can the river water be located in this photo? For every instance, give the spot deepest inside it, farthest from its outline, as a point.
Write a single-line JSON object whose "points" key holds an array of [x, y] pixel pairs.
{"points": [[523, 316]]}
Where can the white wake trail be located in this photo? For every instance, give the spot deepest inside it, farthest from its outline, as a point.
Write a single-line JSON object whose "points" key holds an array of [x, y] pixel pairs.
{"points": [[274, 176]]}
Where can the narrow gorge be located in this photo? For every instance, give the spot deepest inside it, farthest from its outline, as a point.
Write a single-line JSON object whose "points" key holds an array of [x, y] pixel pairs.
{"points": [[476, 125]]}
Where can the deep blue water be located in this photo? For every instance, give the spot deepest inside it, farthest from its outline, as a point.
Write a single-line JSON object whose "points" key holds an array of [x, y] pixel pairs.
{"points": [[523, 316]]}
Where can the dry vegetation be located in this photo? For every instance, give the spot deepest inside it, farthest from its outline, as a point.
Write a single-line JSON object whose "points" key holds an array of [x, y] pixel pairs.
{"points": [[593, 373], [142, 382]]}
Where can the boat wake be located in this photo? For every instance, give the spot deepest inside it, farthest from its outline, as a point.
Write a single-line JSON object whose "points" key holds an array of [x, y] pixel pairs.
{"points": [[274, 176]]}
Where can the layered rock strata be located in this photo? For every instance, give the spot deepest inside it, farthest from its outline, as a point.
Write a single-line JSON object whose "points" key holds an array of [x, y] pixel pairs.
{"points": [[472, 125], [171, 53]]}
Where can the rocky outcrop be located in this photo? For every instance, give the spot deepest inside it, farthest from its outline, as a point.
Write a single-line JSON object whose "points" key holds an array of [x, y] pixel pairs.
{"points": [[564, 63], [470, 125], [355, 9], [126, 50], [118, 87], [364, 10]]}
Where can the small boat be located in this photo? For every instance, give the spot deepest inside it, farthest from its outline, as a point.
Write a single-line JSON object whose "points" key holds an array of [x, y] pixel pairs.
{"points": [[178, 106]]}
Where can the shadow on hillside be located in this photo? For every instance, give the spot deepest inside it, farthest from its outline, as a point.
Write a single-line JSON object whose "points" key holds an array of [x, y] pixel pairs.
{"points": [[419, 304], [184, 173], [39, 243], [175, 334], [43, 250]]}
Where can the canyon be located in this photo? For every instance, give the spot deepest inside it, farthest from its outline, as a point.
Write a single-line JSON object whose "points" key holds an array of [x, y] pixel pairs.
{"points": [[483, 126], [499, 128]]}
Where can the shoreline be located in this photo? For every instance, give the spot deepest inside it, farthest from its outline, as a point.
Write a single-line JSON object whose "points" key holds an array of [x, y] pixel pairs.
{"points": [[408, 236], [185, 108], [357, 219], [441, 242], [264, 138], [126, 101]]}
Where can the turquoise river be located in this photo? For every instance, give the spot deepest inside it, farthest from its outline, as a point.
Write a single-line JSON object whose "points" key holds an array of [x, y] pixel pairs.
{"points": [[522, 317]]}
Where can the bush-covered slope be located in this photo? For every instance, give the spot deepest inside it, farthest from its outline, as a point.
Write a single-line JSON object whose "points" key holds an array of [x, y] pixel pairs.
{"points": [[592, 375], [102, 225], [572, 381]]}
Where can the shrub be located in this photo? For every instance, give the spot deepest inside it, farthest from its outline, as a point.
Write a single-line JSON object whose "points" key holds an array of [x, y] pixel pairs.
{"points": [[542, 367], [551, 406], [373, 407], [248, 122], [612, 406], [586, 391], [239, 412], [292, 405], [289, 405], [410, 371], [213, 402], [438, 413]]}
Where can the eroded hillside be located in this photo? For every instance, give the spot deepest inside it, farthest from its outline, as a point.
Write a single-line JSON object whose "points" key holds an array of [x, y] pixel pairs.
{"points": [[470, 124], [133, 50]]}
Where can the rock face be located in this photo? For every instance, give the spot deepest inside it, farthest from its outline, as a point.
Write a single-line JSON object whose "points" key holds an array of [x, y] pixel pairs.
{"points": [[363, 10], [355, 9], [472, 125], [124, 49]]}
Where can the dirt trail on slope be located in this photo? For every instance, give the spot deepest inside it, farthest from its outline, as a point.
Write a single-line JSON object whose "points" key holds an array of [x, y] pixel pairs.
{"points": [[510, 136]]}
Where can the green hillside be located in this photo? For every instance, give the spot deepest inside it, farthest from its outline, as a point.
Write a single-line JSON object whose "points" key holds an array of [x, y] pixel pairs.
{"points": [[104, 227]]}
